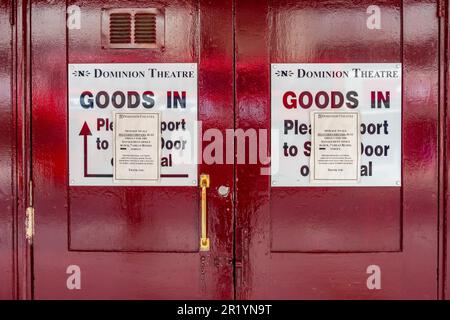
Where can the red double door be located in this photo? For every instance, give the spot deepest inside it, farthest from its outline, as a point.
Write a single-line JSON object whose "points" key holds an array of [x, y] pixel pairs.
{"points": [[265, 242]]}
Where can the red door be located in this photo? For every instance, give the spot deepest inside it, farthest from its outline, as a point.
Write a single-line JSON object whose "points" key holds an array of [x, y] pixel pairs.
{"points": [[96, 240], [339, 242], [103, 241], [7, 185]]}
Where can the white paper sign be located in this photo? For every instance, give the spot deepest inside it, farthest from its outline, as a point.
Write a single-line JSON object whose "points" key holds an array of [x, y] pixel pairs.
{"points": [[335, 147], [371, 89], [96, 91], [136, 146]]}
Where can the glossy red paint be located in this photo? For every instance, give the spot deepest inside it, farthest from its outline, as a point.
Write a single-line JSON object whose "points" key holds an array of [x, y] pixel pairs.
{"points": [[445, 151], [7, 154], [155, 254], [394, 228], [401, 233]]}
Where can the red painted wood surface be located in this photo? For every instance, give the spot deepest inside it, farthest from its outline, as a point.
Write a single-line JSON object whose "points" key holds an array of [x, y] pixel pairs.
{"points": [[352, 226], [155, 254], [394, 228], [265, 31], [445, 252], [7, 154]]}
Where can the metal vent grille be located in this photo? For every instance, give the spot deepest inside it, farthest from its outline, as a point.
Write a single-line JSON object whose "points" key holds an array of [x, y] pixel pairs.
{"points": [[120, 28], [145, 28], [132, 28]]}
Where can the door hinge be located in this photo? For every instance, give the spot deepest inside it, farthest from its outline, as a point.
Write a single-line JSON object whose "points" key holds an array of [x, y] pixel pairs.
{"points": [[241, 261], [29, 216]]}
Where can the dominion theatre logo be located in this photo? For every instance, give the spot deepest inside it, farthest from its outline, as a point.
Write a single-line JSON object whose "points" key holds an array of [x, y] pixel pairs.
{"points": [[81, 73], [284, 73]]}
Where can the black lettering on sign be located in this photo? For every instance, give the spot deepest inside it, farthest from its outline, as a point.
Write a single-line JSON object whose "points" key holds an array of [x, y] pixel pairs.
{"points": [[118, 99]]}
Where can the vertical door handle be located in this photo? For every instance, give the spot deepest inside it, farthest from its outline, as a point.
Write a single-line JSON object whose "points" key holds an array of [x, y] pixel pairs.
{"points": [[204, 240]]}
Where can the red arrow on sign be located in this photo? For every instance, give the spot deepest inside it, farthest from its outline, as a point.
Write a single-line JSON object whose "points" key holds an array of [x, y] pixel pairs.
{"points": [[85, 132]]}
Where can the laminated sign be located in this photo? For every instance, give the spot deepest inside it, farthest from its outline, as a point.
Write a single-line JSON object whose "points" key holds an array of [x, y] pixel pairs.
{"points": [[336, 124], [133, 124]]}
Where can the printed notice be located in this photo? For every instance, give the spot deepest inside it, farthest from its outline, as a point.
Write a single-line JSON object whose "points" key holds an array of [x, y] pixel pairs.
{"points": [[335, 147], [97, 90], [373, 90], [136, 146]]}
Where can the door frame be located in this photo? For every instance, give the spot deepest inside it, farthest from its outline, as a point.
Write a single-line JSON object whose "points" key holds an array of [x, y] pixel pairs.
{"points": [[23, 257]]}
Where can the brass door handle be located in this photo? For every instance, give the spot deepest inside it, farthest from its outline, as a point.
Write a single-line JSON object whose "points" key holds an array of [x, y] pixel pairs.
{"points": [[204, 240]]}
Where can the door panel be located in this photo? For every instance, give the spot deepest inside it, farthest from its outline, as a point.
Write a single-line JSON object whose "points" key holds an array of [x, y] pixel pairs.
{"points": [[338, 224], [129, 242], [158, 223], [7, 145], [319, 242]]}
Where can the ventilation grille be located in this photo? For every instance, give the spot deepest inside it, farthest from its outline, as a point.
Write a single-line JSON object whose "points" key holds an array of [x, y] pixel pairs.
{"points": [[145, 28], [120, 28], [132, 28]]}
